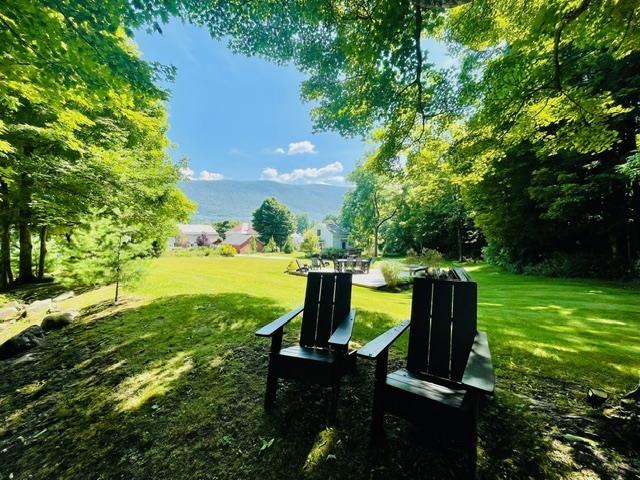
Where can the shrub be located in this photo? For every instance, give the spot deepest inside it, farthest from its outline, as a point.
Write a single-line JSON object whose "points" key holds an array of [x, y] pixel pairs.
{"points": [[391, 274], [288, 246], [499, 256], [427, 257], [334, 252], [226, 250], [310, 243], [576, 265], [271, 246]]}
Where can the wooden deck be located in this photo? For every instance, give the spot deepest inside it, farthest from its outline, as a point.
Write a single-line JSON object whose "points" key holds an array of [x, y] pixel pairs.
{"points": [[373, 279]]}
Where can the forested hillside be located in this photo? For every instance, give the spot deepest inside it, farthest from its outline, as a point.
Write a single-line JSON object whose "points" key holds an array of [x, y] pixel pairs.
{"points": [[236, 199]]}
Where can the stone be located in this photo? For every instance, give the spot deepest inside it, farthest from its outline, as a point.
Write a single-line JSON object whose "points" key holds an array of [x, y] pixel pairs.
{"points": [[596, 397], [39, 305], [57, 320], [25, 340], [9, 313], [64, 296]]}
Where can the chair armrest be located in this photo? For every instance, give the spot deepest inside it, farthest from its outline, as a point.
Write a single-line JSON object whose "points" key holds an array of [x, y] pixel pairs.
{"points": [[342, 334], [478, 373], [271, 328], [382, 342]]}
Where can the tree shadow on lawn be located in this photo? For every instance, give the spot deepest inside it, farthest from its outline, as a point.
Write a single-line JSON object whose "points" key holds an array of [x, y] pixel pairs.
{"points": [[174, 389]]}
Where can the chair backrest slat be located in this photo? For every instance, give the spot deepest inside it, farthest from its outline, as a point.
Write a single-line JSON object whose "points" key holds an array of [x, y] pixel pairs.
{"points": [[418, 355], [439, 349], [465, 314], [325, 310], [443, 326], [327, 301], [311, 307]]}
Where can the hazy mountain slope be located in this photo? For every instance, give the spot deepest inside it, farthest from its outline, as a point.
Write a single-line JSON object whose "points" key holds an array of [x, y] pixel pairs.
{"points": [[234, 199]]}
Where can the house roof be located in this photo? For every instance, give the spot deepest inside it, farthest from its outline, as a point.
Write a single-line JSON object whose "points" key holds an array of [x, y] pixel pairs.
{"points": [[238, 239], [244, 227], [196, 229], [336, 230]]}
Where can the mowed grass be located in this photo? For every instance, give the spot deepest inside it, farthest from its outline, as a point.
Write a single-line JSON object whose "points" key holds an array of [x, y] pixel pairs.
{"points": [[169, 382]]}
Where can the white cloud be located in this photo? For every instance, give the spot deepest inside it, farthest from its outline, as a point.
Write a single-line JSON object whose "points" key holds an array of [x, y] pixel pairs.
{"points": [[210, 176], [186, 173], [279, 150], [329, 174], [298, 148]]}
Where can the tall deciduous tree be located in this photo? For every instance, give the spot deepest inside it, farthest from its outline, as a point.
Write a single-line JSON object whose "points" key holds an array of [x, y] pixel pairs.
{"points": [[373, 202], [273, 220]]}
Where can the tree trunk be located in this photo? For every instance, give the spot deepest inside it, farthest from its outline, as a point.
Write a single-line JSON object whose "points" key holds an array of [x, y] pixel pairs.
{"points": [[115, 300], [25, 269], [459, 232], [43, 251], [6, 275], [375, 242]]}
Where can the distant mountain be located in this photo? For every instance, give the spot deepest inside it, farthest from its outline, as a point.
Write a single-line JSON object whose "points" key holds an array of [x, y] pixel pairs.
{"points": [[235, 199]]}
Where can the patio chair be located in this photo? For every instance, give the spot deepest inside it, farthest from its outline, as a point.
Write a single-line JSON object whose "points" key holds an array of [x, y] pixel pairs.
{"points": [[448, 366], [366, 264], [316, 263], [358, 266], [302, 267], [337, 265], [322, 356]]}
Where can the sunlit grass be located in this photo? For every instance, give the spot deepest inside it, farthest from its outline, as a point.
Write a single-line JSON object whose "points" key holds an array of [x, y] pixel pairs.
{"points": [[170, 381], [134, 391]]}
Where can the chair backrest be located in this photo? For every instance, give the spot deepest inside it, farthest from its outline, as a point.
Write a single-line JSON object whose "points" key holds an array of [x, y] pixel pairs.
{"points": [[315, 262], [443, 326], [326, 303]]}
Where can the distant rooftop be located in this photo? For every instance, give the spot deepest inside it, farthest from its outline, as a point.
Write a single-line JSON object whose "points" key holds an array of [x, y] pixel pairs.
{"points": [[336, 230], [196, 229], [245, 228], [237, 239]]}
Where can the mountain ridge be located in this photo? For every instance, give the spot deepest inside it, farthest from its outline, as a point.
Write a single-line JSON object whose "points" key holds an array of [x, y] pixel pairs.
{"points": [[237, 199]]}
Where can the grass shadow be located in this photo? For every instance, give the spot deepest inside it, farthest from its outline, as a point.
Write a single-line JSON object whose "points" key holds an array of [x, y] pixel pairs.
{"points": [[174, 389]]}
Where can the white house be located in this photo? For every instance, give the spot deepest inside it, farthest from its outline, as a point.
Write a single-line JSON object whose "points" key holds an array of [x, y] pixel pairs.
{"points": [[296, 238], [191, 235], [332, 236]]}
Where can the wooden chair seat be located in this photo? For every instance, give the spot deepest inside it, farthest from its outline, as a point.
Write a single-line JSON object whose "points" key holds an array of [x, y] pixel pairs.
{"points": [[417, 389], [311, 354]]}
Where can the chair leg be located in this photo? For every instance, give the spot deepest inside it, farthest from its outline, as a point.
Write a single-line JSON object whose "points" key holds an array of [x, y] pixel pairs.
{"points": [[272, 386], [377, 415]]}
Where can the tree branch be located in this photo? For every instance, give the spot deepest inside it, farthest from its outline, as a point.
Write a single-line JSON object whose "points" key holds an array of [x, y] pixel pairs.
{"points": [[566, 19]]}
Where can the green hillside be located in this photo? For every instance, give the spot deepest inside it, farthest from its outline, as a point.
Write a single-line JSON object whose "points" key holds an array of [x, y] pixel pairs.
{"points": [[226, 199]]}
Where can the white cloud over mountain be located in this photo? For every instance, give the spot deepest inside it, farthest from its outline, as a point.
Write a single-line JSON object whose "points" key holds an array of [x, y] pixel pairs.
{"points": [[329, 174], [189, 174]]}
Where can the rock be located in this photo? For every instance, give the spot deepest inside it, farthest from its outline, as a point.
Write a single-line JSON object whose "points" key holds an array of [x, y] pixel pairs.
{"points": [[11, 313], [25, 340], [596, 397], [55, 321], [64, 296], [38, 305]]}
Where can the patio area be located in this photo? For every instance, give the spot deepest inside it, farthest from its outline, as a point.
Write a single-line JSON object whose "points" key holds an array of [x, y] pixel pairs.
{"points": [[372, 279]]}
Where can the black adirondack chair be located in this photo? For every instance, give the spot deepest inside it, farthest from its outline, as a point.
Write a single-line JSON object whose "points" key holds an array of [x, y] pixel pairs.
{"points": [[448, 363], [323, 356]]}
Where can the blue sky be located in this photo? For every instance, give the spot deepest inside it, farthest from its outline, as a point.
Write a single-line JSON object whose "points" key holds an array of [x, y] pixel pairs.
{"points": [[241, 118]]}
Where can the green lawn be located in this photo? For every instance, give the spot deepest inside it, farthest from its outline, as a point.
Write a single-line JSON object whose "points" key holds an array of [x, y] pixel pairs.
{"points": [[169, 384]]}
